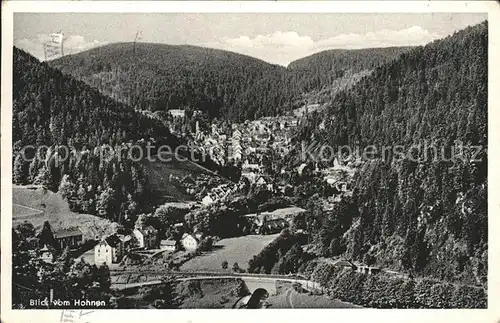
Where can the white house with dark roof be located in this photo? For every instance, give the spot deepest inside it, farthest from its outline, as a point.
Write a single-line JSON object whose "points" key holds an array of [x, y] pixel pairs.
{"points": [[146, 236], [109, 250]]}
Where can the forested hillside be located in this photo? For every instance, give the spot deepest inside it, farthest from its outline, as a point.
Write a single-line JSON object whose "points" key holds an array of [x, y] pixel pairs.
{"points": [[424, 213], [53, 109], [327, 66], [158, 77]]}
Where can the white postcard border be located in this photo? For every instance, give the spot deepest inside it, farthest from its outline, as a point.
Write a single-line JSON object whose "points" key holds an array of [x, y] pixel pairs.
{"points": [[492, 314]]}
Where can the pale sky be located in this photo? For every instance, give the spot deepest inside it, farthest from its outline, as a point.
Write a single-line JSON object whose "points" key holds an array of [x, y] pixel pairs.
{"points": [[275, 38]]}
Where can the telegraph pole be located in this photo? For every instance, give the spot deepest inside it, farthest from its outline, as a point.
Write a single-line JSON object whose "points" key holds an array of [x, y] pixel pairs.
{"points": [[62, 42], [138, 36]]}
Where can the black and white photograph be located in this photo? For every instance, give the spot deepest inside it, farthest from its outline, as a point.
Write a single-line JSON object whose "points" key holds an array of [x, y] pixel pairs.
{"points": [[248, 160]]}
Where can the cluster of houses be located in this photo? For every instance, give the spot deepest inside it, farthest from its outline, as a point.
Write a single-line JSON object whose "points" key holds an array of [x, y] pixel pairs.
{"points": [[219, 193], [246, 139], [235, 148], [199, 185], [264, 224], [338, 176], [277, 123], [212, 144], [177, 113], [254, 173], [272, 226], [111, 249]]}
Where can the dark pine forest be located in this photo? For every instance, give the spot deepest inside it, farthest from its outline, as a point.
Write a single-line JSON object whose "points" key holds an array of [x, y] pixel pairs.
{"points": [[221, 84], [428, 213]]}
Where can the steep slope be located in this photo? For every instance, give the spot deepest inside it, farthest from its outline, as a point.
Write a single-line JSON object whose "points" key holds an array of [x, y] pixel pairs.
{"points": [[82, 131], [53, 108], [336, 61], [415, 209], [60, 216], [334, 70]]}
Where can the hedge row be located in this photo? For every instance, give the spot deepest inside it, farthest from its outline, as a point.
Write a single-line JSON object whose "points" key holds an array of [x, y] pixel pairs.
{"points": [[381, 291]]}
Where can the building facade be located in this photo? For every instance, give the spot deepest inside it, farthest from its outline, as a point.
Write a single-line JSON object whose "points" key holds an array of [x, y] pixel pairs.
{"points": [[68, 238], [189, 242], [146, 237], [169, 245], [109, 250]]}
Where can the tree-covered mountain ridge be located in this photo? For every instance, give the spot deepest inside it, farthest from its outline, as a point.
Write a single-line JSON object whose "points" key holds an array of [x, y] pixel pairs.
{"points": [[419, 214], [160, 77], [88, 137]]}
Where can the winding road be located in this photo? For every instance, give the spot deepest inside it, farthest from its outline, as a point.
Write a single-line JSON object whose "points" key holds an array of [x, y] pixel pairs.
{"points": [[253, 281]]}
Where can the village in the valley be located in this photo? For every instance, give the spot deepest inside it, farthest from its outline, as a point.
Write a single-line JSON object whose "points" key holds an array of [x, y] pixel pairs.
{"points": [[152, 175], [247, 144], [140, 256]]}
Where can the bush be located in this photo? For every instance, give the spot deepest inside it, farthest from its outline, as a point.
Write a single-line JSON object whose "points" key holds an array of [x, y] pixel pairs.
{"points": [[265, 260], [390, 292], [423, 292], [441, 295], [206, 244], [468, 297]]}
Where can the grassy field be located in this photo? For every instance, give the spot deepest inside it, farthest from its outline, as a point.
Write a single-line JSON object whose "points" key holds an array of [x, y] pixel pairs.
{"points": [[52, 207], [240, 250], [23, 211]]}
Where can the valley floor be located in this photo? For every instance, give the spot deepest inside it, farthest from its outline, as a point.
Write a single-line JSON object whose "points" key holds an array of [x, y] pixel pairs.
{"points": [[239, 250]]}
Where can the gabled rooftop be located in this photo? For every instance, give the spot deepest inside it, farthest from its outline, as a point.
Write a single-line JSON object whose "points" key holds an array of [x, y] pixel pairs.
{"points": [[64, 233], [168, 242]]}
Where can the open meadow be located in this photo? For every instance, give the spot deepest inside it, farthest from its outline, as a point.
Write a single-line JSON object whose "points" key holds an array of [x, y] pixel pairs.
{"points": [[239, 249], [37, 205]]}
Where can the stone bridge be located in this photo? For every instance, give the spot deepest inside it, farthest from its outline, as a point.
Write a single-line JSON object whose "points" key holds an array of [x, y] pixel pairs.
{"points": [[252, 281]]}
